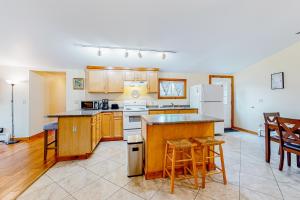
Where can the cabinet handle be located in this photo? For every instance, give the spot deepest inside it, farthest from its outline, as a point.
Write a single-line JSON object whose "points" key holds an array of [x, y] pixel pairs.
{"points": [[74, 129]]}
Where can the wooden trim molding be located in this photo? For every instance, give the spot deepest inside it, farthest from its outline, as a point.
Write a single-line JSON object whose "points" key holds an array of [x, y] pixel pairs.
{"points": [[172, 79], [232, 93], [121, 68], [38, 135], [245, 130]]}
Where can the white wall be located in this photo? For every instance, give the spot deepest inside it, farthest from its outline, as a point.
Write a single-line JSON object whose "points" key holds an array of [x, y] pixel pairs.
{"points": [[21, 95], [253, 89], [192, 79]]}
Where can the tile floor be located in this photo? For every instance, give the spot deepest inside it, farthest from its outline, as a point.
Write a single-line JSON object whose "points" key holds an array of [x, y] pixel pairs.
{"points": [[103, 176]]}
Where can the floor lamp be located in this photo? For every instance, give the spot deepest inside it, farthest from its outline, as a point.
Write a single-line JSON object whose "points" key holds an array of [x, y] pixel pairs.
{"points": [[12, 138]]}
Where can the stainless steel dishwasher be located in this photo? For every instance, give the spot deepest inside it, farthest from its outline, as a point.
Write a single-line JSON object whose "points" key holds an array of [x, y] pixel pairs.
{"points": [[135, 155]]}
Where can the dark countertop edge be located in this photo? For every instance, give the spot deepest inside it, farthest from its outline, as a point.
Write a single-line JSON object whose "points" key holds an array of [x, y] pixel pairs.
{"points": [[69, 113], [182, 122], [176, 108]]}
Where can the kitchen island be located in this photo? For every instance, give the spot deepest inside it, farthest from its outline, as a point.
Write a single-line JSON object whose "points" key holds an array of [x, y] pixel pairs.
{"points": [[156, 129]]}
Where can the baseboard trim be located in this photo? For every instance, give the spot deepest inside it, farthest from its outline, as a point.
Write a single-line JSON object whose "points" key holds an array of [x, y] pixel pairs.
{"points": [[78, 157], [245, 130], [111, 139], [33, 137]]}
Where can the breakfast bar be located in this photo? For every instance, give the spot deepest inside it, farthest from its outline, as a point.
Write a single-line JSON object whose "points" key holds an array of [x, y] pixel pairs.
{"points": [[156, 129]]}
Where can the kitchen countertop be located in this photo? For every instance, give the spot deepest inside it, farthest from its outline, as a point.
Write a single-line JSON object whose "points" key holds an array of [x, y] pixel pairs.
{"points": [[171, 108], [83, 113], [178, 118]]}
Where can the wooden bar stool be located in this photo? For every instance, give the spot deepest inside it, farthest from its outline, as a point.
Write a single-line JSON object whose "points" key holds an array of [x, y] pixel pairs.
{"points": [[180, 153], [207, 148], [50, 127]]}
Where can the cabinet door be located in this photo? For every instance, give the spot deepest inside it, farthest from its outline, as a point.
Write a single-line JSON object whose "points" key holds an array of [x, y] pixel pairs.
{"points": [[96, 81], [152, 78], [140, 75], [156, 112], [98, 127], [107, 124], [188, 111], [94, 133], [115, 80], [171, 111], [74, 136], [129, 76], [118, 125]]}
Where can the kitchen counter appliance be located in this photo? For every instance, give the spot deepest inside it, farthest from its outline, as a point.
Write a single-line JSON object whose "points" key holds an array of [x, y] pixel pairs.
{"points": [[104, 104], [90, 105], [133, 110]]}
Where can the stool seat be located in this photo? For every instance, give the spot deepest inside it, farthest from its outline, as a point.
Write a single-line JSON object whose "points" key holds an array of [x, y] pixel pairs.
{"points": [[51, 126], [208, 141], [180, 143]]}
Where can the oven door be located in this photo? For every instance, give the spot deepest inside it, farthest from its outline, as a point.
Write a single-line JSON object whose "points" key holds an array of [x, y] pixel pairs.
{"points": [[132, 120]]}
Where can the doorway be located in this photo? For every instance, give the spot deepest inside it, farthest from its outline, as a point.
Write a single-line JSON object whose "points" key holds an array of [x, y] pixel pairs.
{"points": [[228, 86], [47, 95]]}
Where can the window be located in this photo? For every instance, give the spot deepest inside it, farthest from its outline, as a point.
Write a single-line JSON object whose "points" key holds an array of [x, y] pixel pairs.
{"points": [[170, 88]]}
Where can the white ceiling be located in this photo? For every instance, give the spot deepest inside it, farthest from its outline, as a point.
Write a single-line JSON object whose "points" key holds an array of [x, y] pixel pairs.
{"points": [[216, 36]]}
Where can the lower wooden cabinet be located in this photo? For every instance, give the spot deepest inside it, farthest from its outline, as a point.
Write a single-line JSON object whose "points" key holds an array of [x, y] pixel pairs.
{"points": [[112, 125], [173, 111]]}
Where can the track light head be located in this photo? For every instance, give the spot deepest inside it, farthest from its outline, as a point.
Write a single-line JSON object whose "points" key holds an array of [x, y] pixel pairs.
{"points": [[140, 54], [164, 56], [99, 52], [126, 54]]}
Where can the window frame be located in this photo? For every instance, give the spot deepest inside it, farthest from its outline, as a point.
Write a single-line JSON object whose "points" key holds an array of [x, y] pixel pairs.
{"points": [[174, 80]]}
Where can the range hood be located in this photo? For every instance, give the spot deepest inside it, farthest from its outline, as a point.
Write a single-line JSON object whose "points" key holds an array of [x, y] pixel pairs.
{"points": [[135, 83]]}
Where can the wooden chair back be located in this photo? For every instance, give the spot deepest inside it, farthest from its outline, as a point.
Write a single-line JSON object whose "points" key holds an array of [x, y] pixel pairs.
{"points": [[287, 129], [270, 118]]}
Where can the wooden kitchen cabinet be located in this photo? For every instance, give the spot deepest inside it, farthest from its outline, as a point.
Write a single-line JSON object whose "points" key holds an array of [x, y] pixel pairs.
{"points": [[118, 124], [107, 123], [129, 75], [140, 75], [152, 79], [115, 81], [94, 132], [74, 136], [96, 80]]}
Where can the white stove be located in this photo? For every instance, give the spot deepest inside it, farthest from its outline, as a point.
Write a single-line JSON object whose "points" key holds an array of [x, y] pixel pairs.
{"points": [[133, 110]]}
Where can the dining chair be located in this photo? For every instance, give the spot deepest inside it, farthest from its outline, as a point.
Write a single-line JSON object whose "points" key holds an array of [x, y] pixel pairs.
{"points": [[270, 125], [289, 139]]}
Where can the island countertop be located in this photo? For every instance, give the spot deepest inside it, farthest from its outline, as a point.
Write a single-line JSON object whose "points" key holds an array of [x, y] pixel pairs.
{"points": [[83, 113], [178, 119]]}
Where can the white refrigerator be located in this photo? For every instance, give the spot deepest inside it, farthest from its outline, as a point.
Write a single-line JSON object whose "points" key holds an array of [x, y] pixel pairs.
{"points": [[209, 101]]}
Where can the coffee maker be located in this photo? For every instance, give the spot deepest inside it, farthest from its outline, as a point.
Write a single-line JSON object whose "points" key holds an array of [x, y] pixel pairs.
{"points": [[104, 105]]}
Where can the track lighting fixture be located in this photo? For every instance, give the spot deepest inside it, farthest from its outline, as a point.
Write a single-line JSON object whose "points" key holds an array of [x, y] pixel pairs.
{"points": [[126, 49], [140, 54], [99, 52]]}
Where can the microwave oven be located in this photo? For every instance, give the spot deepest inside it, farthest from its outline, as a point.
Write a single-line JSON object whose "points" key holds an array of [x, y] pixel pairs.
{"points": [[90, 105]]}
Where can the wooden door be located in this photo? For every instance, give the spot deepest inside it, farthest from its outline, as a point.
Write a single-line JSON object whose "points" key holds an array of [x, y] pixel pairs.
{"points": [[129, 76], [115, 80], [118, 124], [152, 78], [107, 124], [96, 81], [140, 75]]}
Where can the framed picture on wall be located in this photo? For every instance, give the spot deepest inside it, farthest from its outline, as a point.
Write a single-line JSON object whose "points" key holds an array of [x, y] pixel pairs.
{"points": [[277, 81], [78, 83]]}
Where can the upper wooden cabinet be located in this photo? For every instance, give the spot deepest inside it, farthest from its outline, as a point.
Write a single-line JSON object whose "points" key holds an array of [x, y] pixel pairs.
{"points": [[115, 80], [140, 75], [152, 79], [96, 80], [111, 80]]}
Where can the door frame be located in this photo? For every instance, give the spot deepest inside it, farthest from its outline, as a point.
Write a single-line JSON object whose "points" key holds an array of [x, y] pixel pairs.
{"points": [[232, 93]]}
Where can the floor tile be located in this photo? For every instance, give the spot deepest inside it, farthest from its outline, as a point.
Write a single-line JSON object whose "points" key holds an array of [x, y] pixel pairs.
{"points": [[77, 181], [104, 167], [123, 194], [246, 194], [219, 191], [118, 176], [100, 189], [49, 192], [59, 173]]}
